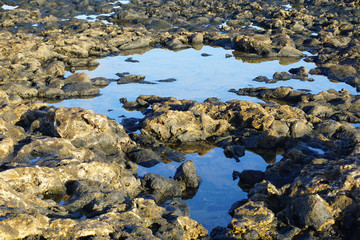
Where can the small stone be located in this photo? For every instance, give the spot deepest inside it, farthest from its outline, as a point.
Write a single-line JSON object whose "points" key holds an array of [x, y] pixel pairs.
{"points": [[186, 172]]}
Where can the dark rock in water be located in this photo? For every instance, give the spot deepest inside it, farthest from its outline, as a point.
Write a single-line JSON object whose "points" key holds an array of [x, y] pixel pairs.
{"points": [[206, 55], [80, 89], [218, 233], [122, 74], [123, 100], [163, 188], [262, 79], [133, 78], [212, 100], [167, 80], [186, 173], [130, 59], [130, 124], [100, 81], [234, 151], [300, 72], [144, 157], [248, 178], [282, 76]]}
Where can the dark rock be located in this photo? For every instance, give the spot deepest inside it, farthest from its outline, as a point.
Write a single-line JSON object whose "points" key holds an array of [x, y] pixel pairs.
{"points": [[177, 207], [282, 76], [248, 178], [312, 211], [145, 157], [262, 79], [234, 151], [130, 59], [79, 89], [167, 80], [159, 25], [100, 81], [170, 154], [300, 72], [133, 78], [186, 173]]}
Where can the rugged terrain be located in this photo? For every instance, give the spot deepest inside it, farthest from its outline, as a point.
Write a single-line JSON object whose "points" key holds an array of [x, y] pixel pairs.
{"points": [[68, 173]]}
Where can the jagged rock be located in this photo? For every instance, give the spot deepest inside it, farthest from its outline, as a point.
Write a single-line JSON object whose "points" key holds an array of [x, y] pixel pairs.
{"points": [[252, 217], [312, 211], [88, 130], [184, 126]]}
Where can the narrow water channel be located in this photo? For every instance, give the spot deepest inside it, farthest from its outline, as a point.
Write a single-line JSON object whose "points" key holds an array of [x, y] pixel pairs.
{"points": [[197, 77]]}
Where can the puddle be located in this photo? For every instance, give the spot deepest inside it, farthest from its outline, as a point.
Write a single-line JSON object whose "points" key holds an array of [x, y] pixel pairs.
{"points": [[224, 24], [122, 2], [287, 6], [217, 191], [197, 78], [256, 27], [94, 17], [8, 7]]}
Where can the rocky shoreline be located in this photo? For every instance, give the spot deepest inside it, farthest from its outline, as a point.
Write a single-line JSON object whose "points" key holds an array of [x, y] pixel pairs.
{"points": [[68, 173]]}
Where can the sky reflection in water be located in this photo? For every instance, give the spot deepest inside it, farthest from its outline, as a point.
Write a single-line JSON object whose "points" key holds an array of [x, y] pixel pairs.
{"points": [[218, 191], [197, 78]]}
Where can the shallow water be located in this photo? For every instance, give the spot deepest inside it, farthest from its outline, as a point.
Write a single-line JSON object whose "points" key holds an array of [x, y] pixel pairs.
{"points": [[8, 7], [218, 191], [197, 78]]}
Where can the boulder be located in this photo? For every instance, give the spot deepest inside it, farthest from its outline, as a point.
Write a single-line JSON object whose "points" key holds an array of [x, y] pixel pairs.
{"points": [[186, 173], [312, 211]]}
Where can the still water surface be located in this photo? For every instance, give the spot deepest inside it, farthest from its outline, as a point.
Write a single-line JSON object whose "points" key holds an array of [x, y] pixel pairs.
{"points": [[197, 78]]}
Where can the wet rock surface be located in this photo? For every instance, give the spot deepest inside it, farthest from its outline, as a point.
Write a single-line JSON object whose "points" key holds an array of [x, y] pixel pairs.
{"points": [[68, 173]]}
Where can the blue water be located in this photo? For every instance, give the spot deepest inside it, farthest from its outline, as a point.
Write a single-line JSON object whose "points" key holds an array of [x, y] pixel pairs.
{"points": [[197, 78]]}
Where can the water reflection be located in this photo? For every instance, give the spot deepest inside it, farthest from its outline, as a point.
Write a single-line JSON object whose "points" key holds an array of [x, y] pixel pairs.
{"points": [[218, 191], [197, 78]]}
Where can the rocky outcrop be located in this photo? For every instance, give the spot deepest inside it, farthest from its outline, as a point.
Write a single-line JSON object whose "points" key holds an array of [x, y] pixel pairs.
{"points": [[65, 174]]}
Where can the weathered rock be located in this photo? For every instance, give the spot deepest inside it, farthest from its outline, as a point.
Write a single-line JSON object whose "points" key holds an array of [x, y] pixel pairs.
{"points": [[88, 130], [145, 157], [312, 211], [186, 173], [131, 79], [252, 217], [184, 126]]}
